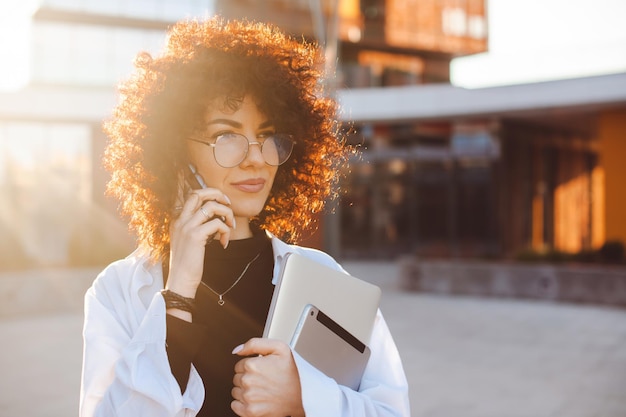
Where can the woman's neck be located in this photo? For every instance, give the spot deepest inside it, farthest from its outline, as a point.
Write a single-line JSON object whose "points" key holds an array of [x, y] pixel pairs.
{"points": [[243, 230]]}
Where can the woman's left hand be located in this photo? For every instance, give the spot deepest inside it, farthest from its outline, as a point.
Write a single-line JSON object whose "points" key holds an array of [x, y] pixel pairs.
{"points": [[268, 384]]}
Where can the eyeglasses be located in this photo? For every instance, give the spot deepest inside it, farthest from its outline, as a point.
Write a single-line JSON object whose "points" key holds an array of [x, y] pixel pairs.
{"points": [[230, 149]]}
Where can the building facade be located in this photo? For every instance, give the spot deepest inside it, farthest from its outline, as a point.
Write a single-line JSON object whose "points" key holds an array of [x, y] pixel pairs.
{"points": [[488, 173], [442, 171]]}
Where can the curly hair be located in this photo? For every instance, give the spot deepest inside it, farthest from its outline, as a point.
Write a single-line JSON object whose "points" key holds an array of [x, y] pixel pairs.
{"points": [[165, 100]]}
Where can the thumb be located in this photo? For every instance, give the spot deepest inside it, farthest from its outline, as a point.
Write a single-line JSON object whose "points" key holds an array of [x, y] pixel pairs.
{"points": [[260, 346]]}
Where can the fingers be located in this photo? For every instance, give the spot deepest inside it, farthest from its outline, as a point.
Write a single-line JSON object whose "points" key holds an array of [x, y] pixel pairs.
{"points": [[218, 221], [214, 209], [261, 346], [266, 382], [258, 346], [240, 408], [213, 194], [237, 394], [207, 214], [216, 229], [190, 205], [244, 404], [198, 198]]}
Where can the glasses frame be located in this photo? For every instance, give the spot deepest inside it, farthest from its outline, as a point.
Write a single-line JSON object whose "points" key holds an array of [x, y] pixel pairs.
{"points": [[213, 145]]}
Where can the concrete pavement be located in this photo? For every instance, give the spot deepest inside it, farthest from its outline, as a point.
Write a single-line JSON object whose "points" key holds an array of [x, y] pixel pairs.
{"points": [[464, 357], [40, 362]]}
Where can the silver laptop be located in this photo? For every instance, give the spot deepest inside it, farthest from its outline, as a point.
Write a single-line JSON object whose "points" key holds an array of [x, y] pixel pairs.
{"points": [[351, 302]]}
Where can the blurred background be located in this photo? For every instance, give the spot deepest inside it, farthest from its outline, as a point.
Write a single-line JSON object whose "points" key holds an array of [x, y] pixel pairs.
{"points": [[492, 137], [487, 130]]}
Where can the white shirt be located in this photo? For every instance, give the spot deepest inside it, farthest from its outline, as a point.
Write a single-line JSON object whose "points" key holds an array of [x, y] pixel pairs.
{"points": [[126, 370]]}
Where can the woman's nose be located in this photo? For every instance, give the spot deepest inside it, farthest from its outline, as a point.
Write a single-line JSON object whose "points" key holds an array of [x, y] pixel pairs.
{"points": [[255, 154]]}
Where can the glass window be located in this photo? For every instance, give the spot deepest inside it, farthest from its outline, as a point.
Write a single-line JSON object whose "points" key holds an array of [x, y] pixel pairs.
{"points": [[91, 55], [52, 47], [166, 10], [109, 7], [126, 45], [46, 183], [175, 10], [153, 41], [65, 4], [202, 7], [88, 55], [147, 9]]}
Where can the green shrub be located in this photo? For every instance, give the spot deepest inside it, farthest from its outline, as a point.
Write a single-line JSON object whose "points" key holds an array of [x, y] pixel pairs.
{"points": [[612, 251]]}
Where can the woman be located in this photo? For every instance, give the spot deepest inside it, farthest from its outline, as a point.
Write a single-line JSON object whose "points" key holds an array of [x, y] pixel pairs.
{"points": [[221, 149]]}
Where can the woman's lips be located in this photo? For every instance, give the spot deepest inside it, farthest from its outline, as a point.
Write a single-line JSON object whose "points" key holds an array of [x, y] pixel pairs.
{"points": [[253, 185]]}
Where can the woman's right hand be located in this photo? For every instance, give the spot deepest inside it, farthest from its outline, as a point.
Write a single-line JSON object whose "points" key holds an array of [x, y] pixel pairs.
{"points": [[205, 215]]}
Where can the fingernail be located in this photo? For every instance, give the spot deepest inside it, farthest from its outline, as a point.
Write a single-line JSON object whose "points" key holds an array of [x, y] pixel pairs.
{"points": [[225, 245], [234, 223], [237, 349], [227, 199]]}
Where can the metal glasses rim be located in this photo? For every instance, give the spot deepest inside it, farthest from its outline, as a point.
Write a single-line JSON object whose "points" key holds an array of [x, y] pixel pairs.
{"points": [[213, 145]]}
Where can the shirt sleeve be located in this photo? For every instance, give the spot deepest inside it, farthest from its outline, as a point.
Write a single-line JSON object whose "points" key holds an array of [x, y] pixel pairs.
{"points": [[126, 371], [183, 342], [383, 390]]}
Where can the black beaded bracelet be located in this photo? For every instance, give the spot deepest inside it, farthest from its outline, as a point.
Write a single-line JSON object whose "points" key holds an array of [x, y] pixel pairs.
{"points": [[173, 300]]}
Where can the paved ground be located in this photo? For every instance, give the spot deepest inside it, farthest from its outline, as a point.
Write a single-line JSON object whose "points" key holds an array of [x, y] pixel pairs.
{"points": [[464, 357]]}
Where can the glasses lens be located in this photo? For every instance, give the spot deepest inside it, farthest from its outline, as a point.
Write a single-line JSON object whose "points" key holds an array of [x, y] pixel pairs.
{"points": [[277, 149], [230, 149]]}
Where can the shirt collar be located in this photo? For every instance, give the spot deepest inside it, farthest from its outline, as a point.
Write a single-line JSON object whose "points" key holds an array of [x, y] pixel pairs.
{"points": [[280, 249]]}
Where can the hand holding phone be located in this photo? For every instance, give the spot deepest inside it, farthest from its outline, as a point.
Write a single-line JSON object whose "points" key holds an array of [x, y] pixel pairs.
{"points": [[205, 215], [194, 181]]}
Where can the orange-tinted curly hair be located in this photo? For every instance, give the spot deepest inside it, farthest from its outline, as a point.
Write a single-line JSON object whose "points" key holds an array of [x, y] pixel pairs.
{"points": [[166, 99]]}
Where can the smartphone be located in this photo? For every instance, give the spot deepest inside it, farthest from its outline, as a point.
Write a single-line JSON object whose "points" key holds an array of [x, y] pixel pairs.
{"points": [[193, 179], [330, 348]]}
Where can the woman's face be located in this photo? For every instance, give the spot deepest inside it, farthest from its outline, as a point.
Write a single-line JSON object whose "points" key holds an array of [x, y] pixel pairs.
{"points": [[248, 184]]}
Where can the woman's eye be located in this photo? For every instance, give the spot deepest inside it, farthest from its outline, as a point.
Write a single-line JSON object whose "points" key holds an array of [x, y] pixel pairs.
{"points": [[218, 135]]}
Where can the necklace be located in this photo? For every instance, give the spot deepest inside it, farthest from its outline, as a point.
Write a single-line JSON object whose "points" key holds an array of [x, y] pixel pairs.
{"points": [[220, 300]]}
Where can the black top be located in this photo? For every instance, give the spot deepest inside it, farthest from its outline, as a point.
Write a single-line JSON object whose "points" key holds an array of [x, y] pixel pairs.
{"points": [[216, 330]]}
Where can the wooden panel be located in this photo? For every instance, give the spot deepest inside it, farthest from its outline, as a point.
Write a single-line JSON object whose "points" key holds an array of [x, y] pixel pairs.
{"points": [[454, 27]]}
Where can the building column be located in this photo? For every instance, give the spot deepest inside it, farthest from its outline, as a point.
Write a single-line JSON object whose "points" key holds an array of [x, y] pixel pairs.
{"points": [[612, 136]]}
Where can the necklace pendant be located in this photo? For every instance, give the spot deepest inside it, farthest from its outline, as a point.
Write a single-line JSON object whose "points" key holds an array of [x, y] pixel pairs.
{"points": [[220, 301]]}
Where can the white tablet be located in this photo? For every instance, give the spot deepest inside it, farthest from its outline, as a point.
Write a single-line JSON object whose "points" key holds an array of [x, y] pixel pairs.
{"points": [[330, 348]]}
